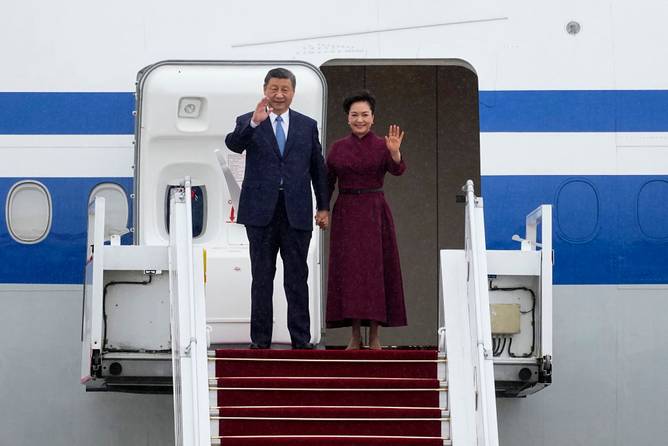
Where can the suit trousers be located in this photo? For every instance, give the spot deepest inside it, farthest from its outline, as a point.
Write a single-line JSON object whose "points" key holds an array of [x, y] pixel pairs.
{"points": [[265, 243]]}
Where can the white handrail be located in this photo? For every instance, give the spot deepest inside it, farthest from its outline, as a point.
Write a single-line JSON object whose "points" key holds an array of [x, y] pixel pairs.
{"points": [[97, 252], [188, 324], [93, 322], [467, 334], [542, 216], [476, 256], [486, 420]]}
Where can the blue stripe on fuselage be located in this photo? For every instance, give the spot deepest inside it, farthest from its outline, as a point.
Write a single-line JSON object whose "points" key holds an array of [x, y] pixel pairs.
{"points": [[574, 111], [60, 258], [606, 229], [500, 111], [66, 113]]}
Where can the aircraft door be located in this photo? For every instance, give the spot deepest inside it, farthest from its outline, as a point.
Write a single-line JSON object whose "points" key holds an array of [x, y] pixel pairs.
{"points": [[185, 110]]}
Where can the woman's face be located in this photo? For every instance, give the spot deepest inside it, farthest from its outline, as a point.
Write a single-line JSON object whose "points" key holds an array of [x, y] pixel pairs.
{"points": [[360, 118]]}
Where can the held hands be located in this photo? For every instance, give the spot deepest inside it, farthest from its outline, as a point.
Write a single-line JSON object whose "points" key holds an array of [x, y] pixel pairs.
{"points": [[393, 141], [262, 111], [322, 219]]}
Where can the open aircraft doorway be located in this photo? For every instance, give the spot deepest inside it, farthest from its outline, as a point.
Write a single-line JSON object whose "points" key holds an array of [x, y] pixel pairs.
{"points": [[436, 103]]}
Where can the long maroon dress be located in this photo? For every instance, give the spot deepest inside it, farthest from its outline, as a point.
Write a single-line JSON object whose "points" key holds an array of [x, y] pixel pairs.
{"points": [[364, 272]]}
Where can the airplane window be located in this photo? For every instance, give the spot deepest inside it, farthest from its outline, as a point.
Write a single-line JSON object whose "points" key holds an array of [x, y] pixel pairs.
{"points": [[198, 206], [115, 205], [28, 211]]}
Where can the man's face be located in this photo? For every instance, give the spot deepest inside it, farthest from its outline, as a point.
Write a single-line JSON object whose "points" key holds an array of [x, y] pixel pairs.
{"points": [[280, 93]]}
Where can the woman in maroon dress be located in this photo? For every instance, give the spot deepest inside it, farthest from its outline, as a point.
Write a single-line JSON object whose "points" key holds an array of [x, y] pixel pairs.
{"points": [[364, 286]]}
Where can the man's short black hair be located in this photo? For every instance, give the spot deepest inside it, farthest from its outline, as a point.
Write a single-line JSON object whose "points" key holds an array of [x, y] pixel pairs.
{"points": [[360, 96], [280, 73]]}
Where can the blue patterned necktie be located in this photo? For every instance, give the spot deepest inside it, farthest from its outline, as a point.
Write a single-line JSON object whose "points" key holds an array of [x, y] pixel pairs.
{"points": [[280, 134]]}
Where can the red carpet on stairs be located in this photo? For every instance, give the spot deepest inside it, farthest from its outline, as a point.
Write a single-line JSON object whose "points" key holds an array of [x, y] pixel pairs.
{"points": [[328, 397]]}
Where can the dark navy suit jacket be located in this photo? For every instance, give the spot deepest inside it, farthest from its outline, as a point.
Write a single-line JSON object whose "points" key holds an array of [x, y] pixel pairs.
{"points": [[301, 165]]}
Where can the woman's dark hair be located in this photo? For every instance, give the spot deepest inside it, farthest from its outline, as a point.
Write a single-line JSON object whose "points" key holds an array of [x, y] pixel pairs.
{"points": [[360, 96]]}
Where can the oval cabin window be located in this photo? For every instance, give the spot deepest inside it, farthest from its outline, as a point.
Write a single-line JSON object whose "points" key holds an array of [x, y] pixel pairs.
{"points": [[116, 208], [28, 212]]}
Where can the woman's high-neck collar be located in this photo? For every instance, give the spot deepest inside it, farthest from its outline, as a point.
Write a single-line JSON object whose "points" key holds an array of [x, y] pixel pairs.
{"points": [[361, 138]]}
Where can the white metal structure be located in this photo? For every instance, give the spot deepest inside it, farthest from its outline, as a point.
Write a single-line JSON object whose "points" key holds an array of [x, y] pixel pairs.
{"points": [[188, 326], [469, 349], [516, 272], [466, 329], [183, 265], [478, 301]]}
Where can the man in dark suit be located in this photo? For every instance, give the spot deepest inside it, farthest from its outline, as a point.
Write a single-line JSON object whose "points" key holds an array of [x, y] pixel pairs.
{"points": [[283, 158]]}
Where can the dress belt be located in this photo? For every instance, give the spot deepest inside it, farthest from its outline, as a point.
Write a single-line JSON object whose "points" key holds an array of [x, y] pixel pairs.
{"points": [[359, 191]]}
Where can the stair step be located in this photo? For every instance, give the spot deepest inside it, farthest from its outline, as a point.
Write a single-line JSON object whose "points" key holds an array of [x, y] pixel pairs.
{"points": [[317, 394], [329, 412], [408, 398], [359, 363], [415, 355], [330, 421], [329, 440], [314, 426], [327, 383]]}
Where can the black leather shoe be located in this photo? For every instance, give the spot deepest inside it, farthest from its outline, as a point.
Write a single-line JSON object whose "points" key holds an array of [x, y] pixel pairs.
{"points": [[255, 346], [307, 346]]}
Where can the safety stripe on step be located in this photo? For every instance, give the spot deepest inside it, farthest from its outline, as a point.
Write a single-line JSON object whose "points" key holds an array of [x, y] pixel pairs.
{"points": [[388, 437], [327, 419], [323, 407], [340, 378], [306, 389], [365, 361]]}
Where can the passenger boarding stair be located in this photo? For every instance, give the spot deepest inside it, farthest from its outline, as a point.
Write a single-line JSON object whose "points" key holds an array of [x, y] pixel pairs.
{"points": [[147, 323], [366, 397], [440, 396]]}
